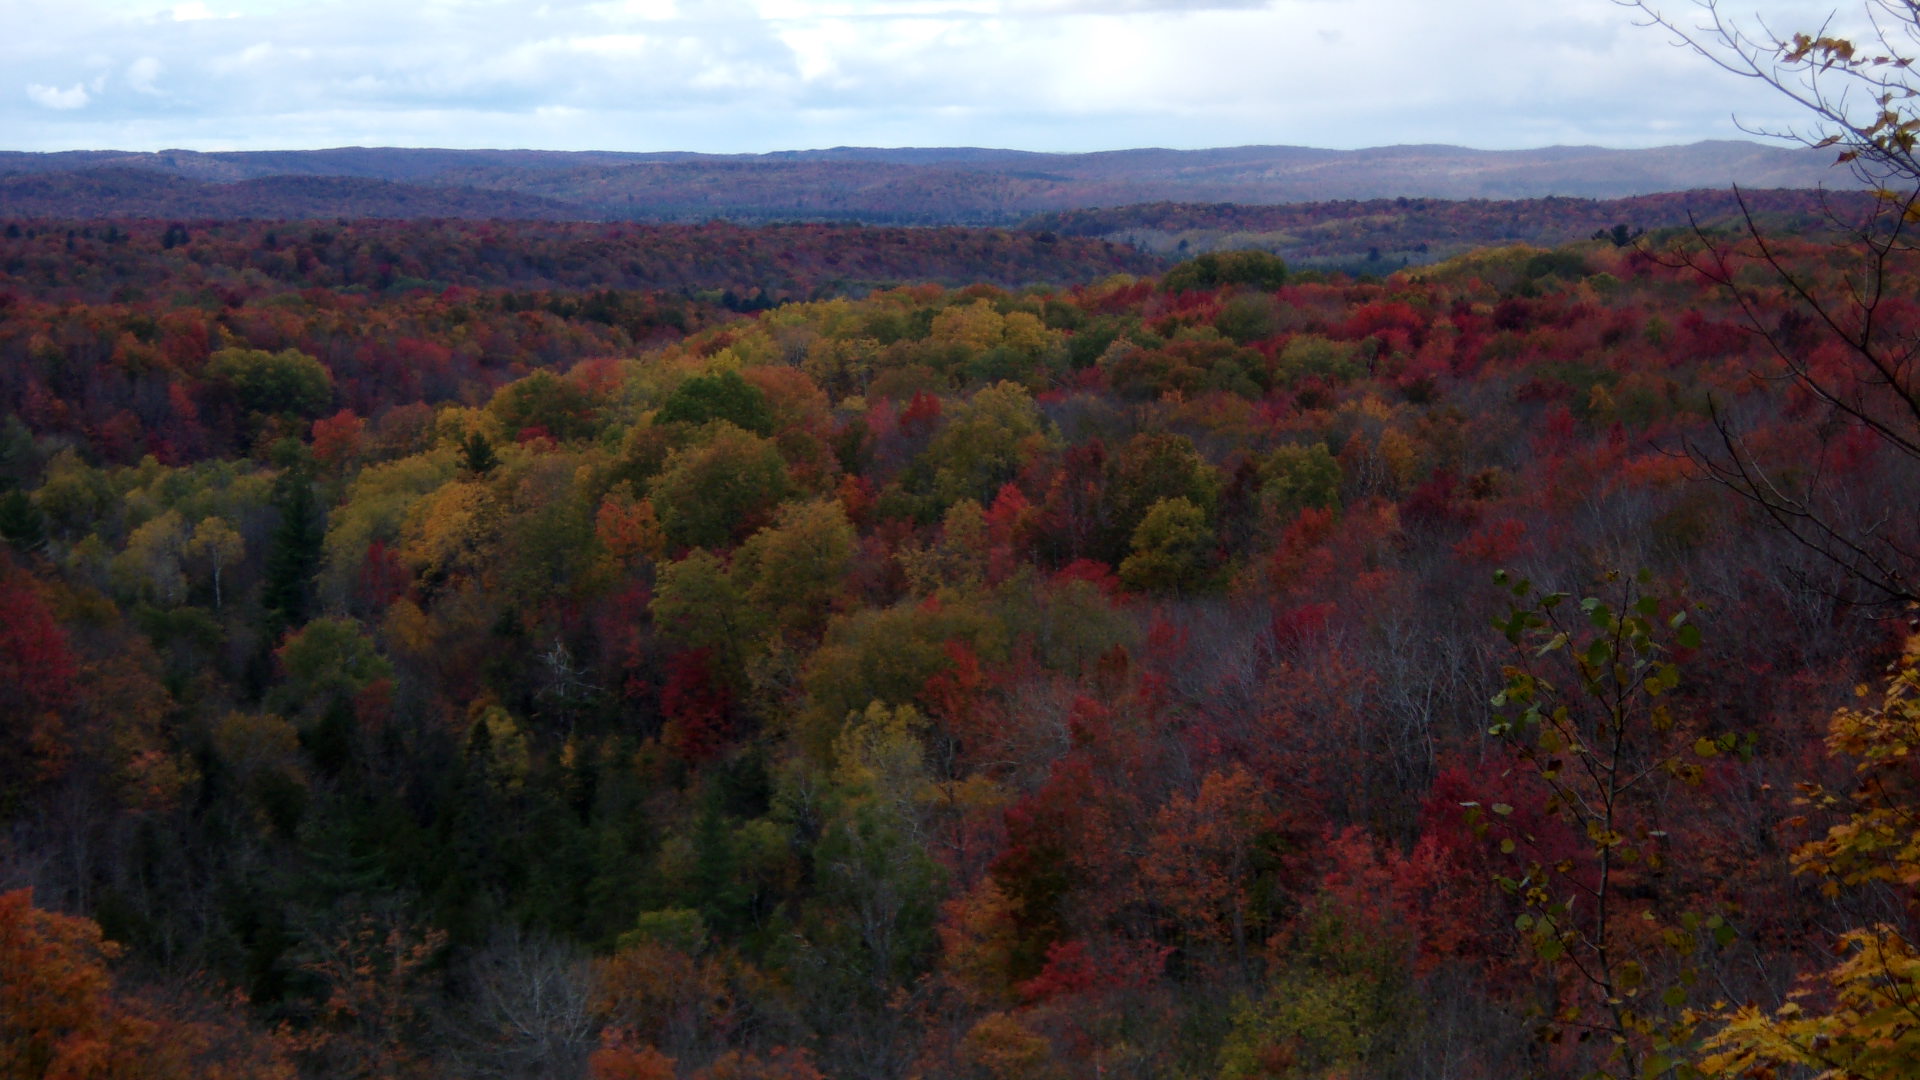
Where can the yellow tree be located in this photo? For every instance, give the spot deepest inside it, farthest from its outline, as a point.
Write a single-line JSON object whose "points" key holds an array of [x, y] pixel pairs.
{"points": [[150, 566], [1860, 1018], [216, 545]]}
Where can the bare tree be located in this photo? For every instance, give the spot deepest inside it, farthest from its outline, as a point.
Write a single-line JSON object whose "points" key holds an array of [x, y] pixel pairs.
{"points": [[523, 1008]]}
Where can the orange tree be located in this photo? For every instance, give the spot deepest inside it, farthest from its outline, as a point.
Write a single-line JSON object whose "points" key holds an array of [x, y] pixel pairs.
{"points": [[63, 1018]]}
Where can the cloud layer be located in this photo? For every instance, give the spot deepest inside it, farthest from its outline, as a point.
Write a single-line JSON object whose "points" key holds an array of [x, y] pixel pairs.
{"points": [[755, 75]]}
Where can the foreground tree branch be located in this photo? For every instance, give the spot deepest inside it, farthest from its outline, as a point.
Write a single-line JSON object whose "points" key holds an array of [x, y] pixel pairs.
{"points": [[1843, 329]]}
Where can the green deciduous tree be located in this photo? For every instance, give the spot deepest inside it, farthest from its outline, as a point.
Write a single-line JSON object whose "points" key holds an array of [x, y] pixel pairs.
{"points": [[698, 604], [723, 395], [871, 932], [288, 381], [887, 655], [792, 569], [1173, 549], [544, 402], [1294, 478], [327, 661], [721, 488], [1256, 268], [1150, 468], [984, 442]]}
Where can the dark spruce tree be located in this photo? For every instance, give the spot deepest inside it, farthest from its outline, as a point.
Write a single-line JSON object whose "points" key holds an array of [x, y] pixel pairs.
{"points": [[293, 553]]}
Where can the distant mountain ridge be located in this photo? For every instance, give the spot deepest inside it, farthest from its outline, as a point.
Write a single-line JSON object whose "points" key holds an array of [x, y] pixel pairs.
{"points": [[937, 185], [1380, 235], [119, 191]]}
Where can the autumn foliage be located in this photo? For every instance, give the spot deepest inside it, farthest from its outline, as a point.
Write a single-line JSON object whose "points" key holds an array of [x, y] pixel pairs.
{"points": [[445, 650]]}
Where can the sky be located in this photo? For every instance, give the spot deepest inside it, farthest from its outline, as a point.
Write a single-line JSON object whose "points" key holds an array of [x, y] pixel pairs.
{"points": [[738, 76]]}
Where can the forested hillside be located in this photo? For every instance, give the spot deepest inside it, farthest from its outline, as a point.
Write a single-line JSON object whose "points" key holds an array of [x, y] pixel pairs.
{"points": [[465, 651], [248, 261], [932, 186], [1377, 236]]}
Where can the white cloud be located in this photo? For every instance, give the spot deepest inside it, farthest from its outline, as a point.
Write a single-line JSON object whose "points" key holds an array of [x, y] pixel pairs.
{"points": [[614, 45], [740, 75], [1127, 7], [644, 10], [801, 10], [52, 97], [254, 56], [142, 73]]}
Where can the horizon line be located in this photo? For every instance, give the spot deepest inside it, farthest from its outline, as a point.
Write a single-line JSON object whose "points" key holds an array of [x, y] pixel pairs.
{"points": [[905, 149]]}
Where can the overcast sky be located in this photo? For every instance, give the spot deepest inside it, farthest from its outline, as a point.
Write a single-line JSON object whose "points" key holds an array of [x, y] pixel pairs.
{"points": [[757, 75]]}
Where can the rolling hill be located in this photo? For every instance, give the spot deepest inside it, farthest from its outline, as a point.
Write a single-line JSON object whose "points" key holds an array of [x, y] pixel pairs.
{"points": [[895, 186]]}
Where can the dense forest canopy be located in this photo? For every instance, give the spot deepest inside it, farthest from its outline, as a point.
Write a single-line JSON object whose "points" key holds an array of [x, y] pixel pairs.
{"points": [[564, 650]]}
